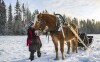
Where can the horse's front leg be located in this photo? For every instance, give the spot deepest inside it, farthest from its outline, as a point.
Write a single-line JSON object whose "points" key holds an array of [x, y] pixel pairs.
{"points": [[62, 48], [56, 49]]}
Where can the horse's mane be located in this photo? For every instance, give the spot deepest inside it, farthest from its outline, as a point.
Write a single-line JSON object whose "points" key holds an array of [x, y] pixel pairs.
{"points": [[50, 15]]}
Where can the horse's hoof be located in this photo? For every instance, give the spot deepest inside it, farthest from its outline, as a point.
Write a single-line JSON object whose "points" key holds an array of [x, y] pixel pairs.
{"points": [[56, 59], [63, 58], [76, 52]]}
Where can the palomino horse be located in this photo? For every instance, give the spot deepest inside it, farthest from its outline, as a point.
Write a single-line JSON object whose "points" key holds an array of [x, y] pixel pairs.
{"points": [[42, 21]]}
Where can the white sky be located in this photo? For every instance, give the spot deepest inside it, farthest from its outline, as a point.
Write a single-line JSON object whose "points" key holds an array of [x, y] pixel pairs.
{"points": [[81, 9]]}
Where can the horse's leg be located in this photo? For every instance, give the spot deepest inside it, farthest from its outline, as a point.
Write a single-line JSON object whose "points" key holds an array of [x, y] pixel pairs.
{"points": [[62, 48], [68, 45], [56, 47], [73, 45], [76, 41], [76, 44]]}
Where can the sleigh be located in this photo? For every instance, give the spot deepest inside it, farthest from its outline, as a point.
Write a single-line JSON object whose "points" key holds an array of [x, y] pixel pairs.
{"points": [[88, 40]]}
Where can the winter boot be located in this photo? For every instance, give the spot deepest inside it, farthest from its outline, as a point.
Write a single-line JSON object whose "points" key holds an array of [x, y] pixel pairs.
{"points": [[39, 54], [31, 56]]}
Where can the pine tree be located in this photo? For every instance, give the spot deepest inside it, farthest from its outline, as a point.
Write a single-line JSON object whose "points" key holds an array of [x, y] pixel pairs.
{"points": [[10, 17], [83, 26], [36, 12], [97, 25], [68, 20], [75, 21], [89, 27], [28, 13], [18, 20], [23, 19], [44, 11], [2, 17], [23, 12], [64, 16]]}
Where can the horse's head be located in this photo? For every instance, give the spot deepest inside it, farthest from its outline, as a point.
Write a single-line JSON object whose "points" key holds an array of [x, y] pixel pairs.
{"points": [[44, 22], [40, 24]]}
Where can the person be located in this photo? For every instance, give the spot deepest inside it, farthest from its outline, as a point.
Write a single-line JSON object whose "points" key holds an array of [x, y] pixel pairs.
{"points": [[33, 42]]}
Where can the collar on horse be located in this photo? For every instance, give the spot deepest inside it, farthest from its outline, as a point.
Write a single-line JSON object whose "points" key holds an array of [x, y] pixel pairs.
{"points": [[59, 21]]}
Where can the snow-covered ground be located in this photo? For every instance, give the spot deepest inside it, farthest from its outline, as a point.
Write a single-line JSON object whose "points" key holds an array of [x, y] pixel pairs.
{"points": [[14, 49]]}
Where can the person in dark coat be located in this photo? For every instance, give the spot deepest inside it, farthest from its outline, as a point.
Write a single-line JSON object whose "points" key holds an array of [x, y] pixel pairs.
{"points": [[33, 42]]}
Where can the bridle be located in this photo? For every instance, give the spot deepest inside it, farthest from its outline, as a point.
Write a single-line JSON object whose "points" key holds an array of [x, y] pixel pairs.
{"points": [[41, 23]]}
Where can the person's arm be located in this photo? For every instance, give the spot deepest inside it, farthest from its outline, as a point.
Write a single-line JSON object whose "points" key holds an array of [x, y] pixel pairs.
{"points": [[29, 33], [28, 42]]}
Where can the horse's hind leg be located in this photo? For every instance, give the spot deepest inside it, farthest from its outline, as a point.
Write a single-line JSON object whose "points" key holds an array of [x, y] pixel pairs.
{"points": [[75, 45], [62, 48], [68, 45]]}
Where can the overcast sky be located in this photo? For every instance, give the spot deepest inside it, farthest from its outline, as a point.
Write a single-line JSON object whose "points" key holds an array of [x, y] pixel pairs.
{"points": [[81, 9]]}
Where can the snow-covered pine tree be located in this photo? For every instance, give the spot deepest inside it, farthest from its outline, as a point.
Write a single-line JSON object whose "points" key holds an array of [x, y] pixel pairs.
{"points": [[75, 21], [23, 13], [17, 20], [10, 18], [2, 17]]}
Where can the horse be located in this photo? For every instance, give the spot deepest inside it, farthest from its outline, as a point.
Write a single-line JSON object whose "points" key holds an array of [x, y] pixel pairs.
{"points": [[47, 22]]}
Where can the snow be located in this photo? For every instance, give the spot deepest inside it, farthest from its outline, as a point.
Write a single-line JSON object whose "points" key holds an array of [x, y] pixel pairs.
{"points": [[14, 49]]}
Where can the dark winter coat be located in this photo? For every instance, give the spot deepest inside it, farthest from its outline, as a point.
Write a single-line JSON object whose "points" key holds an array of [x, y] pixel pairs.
{"points": [[33, 41]]}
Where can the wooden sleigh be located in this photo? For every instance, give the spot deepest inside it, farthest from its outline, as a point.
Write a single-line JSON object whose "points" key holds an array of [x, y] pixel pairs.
{"points": [[88, 40]]}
